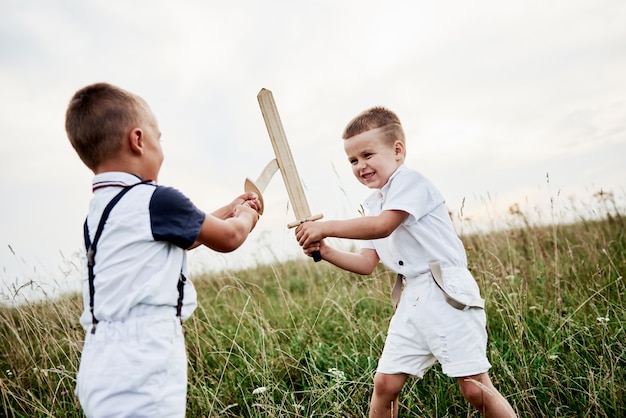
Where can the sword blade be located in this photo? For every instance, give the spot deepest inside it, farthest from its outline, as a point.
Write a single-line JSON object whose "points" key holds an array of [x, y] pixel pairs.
{"points": [[283, 154], [261, 182], [286, 164]]}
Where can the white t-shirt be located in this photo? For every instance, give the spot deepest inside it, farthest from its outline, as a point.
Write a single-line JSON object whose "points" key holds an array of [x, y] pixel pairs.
{"points": [[142, 248], [426, 235]]}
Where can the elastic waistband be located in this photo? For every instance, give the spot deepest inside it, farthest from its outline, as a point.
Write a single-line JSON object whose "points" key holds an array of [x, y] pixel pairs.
{"points": [[419, 277], [144, 321], [428, 274], [154, 311], [421, 280]]}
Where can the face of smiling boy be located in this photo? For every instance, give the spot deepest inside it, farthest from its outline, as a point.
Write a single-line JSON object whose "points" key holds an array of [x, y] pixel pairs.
{"points": [[373, 159]]}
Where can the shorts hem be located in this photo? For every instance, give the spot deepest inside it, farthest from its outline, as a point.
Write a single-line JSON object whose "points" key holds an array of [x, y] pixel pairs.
{"points": [[396, 370], [463, 370]]}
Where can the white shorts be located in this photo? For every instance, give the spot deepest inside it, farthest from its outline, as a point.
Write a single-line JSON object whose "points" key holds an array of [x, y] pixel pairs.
{"points": [[425, 329], [136, 367]]}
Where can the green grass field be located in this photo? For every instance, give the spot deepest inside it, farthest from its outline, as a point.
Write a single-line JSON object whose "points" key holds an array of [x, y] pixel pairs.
{"points": [[302, 339]]}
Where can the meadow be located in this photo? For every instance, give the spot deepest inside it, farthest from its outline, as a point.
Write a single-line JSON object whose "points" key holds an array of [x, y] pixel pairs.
{"points": [[302, 339]]}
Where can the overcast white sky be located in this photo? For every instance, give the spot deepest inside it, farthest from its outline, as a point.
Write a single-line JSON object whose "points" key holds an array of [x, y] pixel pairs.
{"points": [[503, 102]]}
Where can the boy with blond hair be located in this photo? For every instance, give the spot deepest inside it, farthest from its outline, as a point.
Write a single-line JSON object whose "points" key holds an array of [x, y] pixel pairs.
{"points": [[137, 233], [439, 316]]}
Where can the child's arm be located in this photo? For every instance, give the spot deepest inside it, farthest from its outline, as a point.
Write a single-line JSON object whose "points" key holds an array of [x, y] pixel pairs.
{"points": [[364, 262], [227, 228], [366, 227], [228, 211]]}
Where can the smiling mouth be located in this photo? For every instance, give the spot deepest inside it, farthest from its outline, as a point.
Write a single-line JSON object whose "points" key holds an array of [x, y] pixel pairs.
{"points": [[367, 176]]}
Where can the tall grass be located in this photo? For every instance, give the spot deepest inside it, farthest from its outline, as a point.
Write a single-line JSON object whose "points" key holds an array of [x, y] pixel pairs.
{"points": [[301, 339]]}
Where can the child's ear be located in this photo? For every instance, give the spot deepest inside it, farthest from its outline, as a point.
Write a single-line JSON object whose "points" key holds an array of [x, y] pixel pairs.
{"points": [[135, 141], [399, 149]]}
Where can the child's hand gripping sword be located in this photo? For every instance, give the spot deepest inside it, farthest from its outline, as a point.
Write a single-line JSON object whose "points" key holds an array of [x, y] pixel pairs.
{"points": [[285, 162]]}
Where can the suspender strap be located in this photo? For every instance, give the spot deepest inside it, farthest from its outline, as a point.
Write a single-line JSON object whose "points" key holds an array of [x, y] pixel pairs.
{"points": [[396, 291], [478, 303], [182, 280], [92, 246]]}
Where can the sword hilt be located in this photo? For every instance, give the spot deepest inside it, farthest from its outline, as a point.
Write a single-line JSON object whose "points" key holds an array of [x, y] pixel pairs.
{"points": [[310, 218], [317, 256]]}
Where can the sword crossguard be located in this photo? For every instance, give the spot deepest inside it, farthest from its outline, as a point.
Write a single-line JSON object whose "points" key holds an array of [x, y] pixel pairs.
{"points": [[309, 219]]}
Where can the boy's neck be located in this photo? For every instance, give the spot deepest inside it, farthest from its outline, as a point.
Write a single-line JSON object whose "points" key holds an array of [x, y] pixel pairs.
{"points": [[120, 165]]}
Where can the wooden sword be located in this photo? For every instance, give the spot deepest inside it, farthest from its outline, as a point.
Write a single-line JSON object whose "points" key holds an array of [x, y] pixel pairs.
{"points": [[286, 165]]}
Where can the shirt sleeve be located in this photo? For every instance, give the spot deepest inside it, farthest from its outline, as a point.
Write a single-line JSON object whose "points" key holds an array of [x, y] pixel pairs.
{"points": [[174, 218], [412, 193]]}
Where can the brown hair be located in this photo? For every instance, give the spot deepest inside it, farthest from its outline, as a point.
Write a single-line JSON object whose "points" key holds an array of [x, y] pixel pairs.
{"points": [[376, 117], [97, 118]]}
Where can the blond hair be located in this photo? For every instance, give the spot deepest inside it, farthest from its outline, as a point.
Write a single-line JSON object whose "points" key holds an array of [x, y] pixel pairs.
{"points": [[97, 118]]}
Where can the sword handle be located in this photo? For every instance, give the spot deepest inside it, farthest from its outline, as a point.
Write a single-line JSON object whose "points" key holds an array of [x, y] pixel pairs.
{"points": [[317, 256]]}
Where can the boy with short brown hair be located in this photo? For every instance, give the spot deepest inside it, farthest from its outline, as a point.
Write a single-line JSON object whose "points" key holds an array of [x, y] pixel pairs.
{"points": [[135, 292], [409, 230]]}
